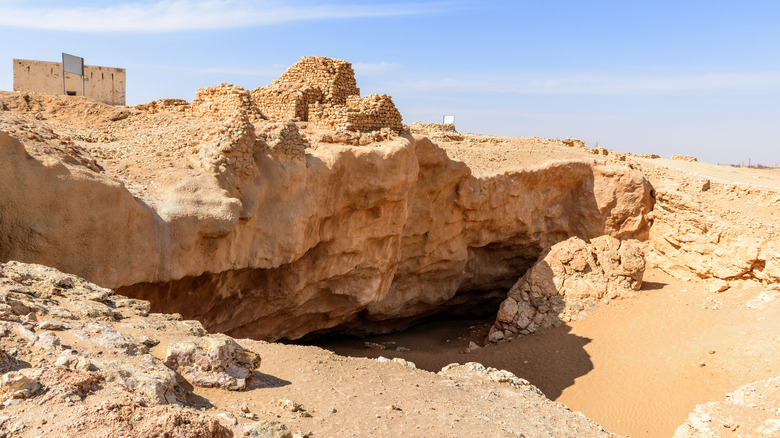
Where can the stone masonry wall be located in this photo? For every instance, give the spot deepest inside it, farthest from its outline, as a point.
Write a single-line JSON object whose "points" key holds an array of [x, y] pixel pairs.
{"points": [[225, 100], [287, 101], [364, 114], [333, 77], [323, 90]]}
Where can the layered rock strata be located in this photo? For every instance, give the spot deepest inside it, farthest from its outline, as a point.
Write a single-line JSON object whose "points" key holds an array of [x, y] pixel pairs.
{"points": [[690, 239]]}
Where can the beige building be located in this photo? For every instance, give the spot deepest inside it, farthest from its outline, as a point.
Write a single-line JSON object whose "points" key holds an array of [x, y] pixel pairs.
{"points": [[106, 84]]}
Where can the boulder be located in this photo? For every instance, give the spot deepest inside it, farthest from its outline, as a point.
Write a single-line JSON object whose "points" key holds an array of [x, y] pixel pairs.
{"points": [[14, 384], [213, 361]]}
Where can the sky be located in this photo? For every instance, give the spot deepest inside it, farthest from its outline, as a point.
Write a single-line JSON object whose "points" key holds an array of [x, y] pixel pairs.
{"points": [[681, 77]]}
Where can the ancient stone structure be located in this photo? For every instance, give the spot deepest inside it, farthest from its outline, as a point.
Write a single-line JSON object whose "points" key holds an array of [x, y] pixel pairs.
{"points": [[323, 91], [688, 158], [370, 113], [334, 78], [436, 131], [105, 84], [155, 106], [287, 100], [224, 100]]}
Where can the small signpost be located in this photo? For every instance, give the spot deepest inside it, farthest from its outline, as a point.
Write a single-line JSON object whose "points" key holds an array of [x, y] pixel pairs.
{"points": [[448, 120], [75, 65]]}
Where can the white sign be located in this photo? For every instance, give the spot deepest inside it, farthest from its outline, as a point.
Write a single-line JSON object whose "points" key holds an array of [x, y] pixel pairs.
{"points": [[72, 64], [449, 120]]}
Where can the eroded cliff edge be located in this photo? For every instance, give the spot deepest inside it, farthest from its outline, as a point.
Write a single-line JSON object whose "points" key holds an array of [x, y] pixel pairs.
{"points": [[293, 208], [345, 236]]}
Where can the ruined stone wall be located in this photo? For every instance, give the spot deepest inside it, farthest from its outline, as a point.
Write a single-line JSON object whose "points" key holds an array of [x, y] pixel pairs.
{"points": [[430, 128], [436, 131], [323, 90], [105, 84], [333, 77], [286, 101], [224, 100], [156, 106], [370, 113]]}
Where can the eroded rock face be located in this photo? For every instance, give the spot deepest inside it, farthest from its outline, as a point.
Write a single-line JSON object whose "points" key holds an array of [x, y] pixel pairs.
{"points": [[688, 241], [567, 282], [368, 238]]}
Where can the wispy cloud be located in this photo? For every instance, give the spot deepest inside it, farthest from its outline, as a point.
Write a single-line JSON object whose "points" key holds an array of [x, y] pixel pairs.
{"points": [[372, 68], [601, 84], [240, 71], [179, 15]]}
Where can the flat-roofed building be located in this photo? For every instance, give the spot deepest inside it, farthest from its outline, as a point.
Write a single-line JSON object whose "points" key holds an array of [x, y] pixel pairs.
{"points": [[106, 84]]}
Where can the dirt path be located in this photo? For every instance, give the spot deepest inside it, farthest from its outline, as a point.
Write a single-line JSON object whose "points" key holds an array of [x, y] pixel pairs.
{"points": [[636, 366]]}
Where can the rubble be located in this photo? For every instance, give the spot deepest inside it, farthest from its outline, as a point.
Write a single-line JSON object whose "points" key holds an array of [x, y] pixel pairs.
{"points": [[567, 282]]}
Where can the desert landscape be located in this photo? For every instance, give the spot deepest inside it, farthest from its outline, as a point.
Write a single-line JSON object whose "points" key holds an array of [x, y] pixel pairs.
{"points": [[294, 260]]}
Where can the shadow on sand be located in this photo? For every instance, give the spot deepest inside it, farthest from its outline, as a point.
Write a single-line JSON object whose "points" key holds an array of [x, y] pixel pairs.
{"points": [[551, 361]]}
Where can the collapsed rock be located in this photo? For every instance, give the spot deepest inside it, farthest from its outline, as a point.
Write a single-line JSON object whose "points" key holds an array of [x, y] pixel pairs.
{"points": [[567, 282], [149, 378], [491, 374], [213, 361]]}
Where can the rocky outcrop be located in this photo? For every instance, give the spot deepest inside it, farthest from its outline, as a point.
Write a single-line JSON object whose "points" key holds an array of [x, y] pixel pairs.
{"points": [[344, 236], [271, 229], [689, 240], [752, 410], [567, 282], [45, 309]]}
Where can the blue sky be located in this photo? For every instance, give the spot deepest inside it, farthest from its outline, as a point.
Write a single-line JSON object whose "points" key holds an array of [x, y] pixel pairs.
{"points": [[671, 77]]}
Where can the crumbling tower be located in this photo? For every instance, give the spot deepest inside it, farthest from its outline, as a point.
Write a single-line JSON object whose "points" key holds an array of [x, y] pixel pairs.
{"points": [[324, 91]]}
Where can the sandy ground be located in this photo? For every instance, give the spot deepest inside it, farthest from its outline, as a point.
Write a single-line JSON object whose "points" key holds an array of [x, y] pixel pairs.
{"points": [[636, 366]]}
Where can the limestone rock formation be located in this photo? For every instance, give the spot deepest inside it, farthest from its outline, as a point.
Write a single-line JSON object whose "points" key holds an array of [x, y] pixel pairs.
{"points": [[215, 360], [753, 410], [306, 235], [689, 241], [341, 237], [567, 282]]}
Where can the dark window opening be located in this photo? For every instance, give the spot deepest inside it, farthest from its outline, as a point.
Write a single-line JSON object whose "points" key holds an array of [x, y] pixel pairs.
{"points": [[71, 93]]}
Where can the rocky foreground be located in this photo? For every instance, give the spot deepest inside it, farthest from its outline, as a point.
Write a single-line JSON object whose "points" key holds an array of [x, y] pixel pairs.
{"points": [[81, 361]]}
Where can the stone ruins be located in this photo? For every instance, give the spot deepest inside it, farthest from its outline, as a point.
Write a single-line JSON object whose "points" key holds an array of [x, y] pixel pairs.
{"points": [[323, 91]]}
